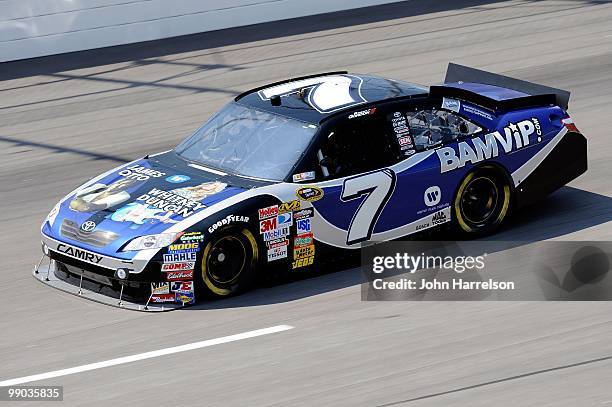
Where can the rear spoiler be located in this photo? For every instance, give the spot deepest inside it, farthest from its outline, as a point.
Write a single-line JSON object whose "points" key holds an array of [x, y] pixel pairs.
{"points": [[537, 94]]}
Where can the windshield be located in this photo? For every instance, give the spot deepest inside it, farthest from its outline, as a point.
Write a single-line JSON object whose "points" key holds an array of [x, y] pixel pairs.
{"points": [[249, 142]]}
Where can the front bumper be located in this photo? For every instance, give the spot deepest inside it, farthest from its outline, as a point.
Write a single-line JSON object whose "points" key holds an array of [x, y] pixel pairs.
{"points": [[98, 288]]}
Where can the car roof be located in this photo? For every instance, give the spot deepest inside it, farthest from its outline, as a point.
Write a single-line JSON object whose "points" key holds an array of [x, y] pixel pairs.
{"points": [[314, 98]]}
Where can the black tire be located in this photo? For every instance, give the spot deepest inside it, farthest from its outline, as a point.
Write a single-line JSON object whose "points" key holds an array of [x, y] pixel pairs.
{"points": [[482, 202], [228, 263]]}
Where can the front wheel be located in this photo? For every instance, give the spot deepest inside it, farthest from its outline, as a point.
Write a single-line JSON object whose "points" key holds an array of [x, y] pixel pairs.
{"points": [[482, 202], [229, 262]]}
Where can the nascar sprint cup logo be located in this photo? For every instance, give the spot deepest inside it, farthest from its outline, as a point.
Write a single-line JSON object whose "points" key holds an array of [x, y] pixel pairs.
{"points": [[514, 136]]}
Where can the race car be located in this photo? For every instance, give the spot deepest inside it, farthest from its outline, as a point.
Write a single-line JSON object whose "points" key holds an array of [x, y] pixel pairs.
{"points": [[288, 176]]}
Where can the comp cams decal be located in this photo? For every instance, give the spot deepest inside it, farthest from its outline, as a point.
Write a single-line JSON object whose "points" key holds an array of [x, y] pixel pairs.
{"points": [[515, 136]]}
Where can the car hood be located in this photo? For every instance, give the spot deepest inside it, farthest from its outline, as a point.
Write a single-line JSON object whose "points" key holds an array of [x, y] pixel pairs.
{"points": [[143, 197]]}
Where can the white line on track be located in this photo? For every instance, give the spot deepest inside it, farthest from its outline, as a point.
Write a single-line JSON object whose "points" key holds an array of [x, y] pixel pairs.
{"points": [[146, 355]]}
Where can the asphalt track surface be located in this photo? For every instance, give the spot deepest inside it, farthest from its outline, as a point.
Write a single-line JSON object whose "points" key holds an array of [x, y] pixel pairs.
{"points": [[65, 119]]}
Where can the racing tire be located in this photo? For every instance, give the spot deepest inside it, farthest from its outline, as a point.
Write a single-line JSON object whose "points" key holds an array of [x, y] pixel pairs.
{"points": [[481, 203], [228, 263]]}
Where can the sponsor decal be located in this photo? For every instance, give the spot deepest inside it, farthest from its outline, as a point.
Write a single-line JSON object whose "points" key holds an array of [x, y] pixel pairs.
{"points": [[311, 193], [226, 221], [277, 243], [289, 206], [179, 275], [267, 225], [178, 178], [268, 212], [409, 152], [538, 128], [305, 239], [471, 109], [183, 247], [451, 104], [277, 253], [304, 213], [157, 298], [302, 262], [79, 253], [304, 176], [514, 137], [285, 219], [192, 237], [438, 217], [170, 202], [160, 288], [181, 286], [100, 196], [405, 142], [138, 214], [179, 257], [422, 226], [362, 113], [140, 173], [184, 298], [302, 226], [180, 266], [432, 195], [88, 226], [303, 252], [275, 234]]}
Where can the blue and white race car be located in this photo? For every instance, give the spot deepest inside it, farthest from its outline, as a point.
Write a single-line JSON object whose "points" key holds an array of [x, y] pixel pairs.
{"points": [[288, 175]]}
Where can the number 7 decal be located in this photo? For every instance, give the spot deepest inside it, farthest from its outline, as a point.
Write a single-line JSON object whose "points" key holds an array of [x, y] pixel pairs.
{"points": [[378, 186]]}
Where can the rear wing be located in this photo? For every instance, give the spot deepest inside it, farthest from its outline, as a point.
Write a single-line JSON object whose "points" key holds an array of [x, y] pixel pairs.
{"points": [[534, 94]]}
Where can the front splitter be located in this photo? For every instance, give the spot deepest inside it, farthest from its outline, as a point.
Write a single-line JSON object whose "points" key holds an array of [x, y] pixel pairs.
{"points": [[45, 273]]}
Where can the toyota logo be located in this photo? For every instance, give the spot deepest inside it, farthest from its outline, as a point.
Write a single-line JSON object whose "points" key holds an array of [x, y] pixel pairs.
{"points": [[88, 226]]}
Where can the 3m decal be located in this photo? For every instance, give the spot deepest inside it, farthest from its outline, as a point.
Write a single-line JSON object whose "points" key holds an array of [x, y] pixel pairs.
{"points": [[267, 225], [515, 136], [310, 193], [377, 186]]}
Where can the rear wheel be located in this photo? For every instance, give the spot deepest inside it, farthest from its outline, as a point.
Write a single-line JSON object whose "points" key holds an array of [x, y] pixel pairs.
{"points": [[482, 202], [228, 262]]}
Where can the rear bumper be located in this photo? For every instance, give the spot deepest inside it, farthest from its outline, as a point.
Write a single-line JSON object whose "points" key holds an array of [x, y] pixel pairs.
{"points": [[98, 288], [565, 162]]}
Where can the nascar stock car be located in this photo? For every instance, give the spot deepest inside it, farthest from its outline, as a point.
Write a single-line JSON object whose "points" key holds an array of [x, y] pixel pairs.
{"points": [[288, 175]]}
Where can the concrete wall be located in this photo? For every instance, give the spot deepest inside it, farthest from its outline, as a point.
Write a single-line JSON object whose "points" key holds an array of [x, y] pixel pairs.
{"points": [[31, 28]]}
